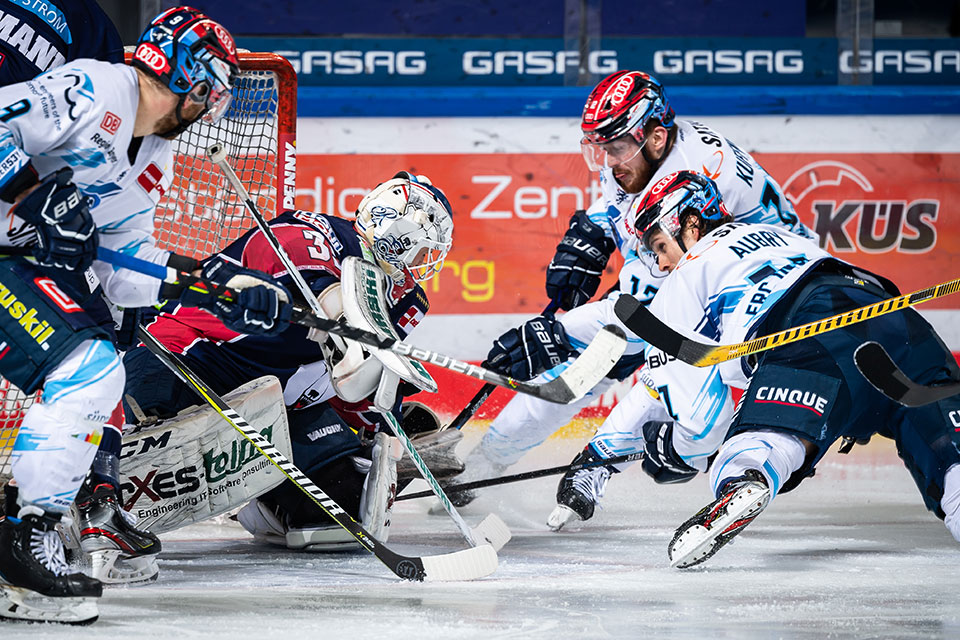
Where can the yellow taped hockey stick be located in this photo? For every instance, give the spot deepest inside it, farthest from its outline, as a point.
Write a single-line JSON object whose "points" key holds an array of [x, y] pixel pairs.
{"points": [[645, 324]]}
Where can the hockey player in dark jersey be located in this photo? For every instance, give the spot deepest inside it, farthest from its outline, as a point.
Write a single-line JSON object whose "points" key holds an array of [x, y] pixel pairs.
{"points": [[405, 226], [38, 36], [729, 282]]}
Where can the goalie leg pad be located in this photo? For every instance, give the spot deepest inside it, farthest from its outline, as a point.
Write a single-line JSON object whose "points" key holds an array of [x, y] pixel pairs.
{"points": [[380, 487]]}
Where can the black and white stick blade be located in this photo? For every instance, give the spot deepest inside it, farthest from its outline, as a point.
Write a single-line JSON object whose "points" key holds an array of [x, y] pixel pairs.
{"points": [[882, 372]]}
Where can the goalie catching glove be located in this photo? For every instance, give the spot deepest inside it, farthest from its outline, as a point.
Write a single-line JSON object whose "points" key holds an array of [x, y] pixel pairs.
{"points": [[261, 307], [573, 275], [66, 235], [537, 345]]}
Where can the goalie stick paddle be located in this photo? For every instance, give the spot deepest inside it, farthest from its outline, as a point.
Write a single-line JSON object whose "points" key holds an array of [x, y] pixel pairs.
{"points": [[468, 564], [882, 372], [571, 385], [492, 530], [640, 320], [526, 475]]}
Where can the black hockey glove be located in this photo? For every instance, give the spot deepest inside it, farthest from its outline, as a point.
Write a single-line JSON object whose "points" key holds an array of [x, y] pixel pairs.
{"points": [[662, 462], [574, 273], [262, 306], [537, 345], [66, 236]]}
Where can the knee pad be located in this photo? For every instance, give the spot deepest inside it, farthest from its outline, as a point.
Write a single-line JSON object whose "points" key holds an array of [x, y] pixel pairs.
{"points": [[775, 455]]}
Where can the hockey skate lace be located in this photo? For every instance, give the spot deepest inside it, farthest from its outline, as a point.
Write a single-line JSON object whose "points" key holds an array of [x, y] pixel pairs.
{"points": [[591, 482], [47, 547]]}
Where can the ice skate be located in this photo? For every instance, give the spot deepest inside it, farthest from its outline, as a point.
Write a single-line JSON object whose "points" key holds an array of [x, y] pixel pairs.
{"points": [[36, 583], [120, 553], [579, 492], [717, 523]]}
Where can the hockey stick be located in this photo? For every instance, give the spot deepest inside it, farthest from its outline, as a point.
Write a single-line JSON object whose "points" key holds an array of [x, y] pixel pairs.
{"points": [[476, 562], [492, 530], [882, 372], [571, 385], [640, 320], [526, 475], [481, 396]]}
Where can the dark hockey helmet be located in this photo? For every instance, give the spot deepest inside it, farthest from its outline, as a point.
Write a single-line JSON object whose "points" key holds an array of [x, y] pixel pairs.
{"points": [[665, 206], [193, 56]]}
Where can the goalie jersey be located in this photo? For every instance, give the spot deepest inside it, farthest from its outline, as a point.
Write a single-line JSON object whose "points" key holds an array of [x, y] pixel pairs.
{"points": [[721, 291], [749, 192], [317, 244], [82, 116]]}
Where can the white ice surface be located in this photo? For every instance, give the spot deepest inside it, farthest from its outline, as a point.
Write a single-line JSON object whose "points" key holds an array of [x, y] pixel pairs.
{"points": [[851, 554]]}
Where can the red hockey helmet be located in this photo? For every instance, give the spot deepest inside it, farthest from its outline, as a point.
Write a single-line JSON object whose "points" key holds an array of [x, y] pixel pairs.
{"points": [[671, 199], [614, 117]]}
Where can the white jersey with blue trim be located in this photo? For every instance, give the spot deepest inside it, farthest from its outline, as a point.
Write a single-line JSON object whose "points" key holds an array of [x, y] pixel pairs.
{"points": [[81, 116], [748, 191], [721, 288]]}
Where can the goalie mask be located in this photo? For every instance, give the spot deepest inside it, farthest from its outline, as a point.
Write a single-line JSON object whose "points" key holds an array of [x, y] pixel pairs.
{"points": [[192, 56], [408, 224], [671, 200]]}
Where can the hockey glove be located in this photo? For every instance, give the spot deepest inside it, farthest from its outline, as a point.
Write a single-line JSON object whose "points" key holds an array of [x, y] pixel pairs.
{"points": [[574, 273], [662, 462], [66, 235], [262, 306], [535, 346]]}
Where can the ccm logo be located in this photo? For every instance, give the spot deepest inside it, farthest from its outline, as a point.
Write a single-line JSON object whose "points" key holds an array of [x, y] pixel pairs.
{"points": [[621, 89], [150, 55], [59, 298]]}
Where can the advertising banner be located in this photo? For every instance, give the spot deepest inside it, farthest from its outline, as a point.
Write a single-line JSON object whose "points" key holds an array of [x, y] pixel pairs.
{"points": [[514, 186]]}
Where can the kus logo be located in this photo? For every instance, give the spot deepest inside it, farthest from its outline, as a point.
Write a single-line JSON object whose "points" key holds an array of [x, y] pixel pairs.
{"points": [[871, 225]]}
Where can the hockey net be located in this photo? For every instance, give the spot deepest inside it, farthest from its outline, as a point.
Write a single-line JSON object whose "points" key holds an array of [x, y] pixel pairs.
{"points": [[199, 214]]}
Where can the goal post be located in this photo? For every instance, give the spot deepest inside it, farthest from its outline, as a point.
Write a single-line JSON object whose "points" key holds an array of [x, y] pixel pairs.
{"points": [[199, 214]]}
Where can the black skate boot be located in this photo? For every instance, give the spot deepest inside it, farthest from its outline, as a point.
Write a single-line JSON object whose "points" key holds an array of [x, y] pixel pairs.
{"points": [[741, 500], [36, 583], [580, 491], [120, 553]]}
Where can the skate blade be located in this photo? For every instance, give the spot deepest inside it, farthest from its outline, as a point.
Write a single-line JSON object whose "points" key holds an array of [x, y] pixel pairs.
{"points": [[561, 516], [697, 543], [110, 567], [334, 539], [24, 605]]}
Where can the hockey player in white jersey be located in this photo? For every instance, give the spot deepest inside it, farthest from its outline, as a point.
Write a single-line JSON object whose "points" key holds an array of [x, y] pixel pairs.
{"points": [[732, 282], [632, 139], [85, 158]]}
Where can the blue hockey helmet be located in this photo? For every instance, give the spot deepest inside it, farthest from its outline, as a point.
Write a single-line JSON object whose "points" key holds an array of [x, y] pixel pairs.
{"points": [[194, 57]]}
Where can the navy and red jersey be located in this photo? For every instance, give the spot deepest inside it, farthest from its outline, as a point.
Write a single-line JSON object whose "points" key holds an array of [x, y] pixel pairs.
{"points": [[38, 35], [316, 243]]}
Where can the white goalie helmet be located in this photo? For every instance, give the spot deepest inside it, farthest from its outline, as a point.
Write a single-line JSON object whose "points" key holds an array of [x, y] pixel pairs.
{"points": [[408, 223]]}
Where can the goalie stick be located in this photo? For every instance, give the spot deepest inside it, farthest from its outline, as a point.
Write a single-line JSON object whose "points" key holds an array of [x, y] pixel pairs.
{"points": [[468, 564], [492, 529], [571, 385], [640, 320], [882, 372], [526, 475]]}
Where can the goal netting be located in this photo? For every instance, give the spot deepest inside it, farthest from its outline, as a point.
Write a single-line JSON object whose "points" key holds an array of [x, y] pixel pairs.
{"points": [[199, 214]]}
